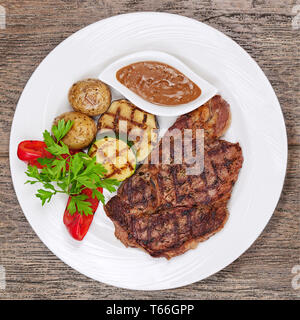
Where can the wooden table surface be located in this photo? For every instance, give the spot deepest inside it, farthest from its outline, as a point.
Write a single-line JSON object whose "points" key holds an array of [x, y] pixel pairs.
{"points": [[267, 29]]}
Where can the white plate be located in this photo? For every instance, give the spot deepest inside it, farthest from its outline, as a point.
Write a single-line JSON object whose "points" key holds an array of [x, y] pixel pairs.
{"points": [[108, 75], [257, 123]]}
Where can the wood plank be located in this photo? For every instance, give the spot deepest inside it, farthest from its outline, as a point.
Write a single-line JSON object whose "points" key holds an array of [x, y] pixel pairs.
{"points": [[264, 271]]}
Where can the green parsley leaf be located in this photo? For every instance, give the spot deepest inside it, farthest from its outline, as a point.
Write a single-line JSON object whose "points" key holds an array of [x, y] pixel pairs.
{"points": [[83, 207], [99, 195], [48, 139], [58, 168], [58, 150], [44, 195], [77, 164], [110, 184], [61, 129]]}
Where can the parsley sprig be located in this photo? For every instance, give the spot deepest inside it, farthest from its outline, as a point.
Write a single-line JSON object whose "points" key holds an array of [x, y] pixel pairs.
{"points": [[68, 173]]}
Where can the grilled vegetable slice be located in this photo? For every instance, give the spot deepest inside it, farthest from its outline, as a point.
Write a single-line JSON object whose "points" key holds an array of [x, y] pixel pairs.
{"points": [[117, 157], [140, 127]]}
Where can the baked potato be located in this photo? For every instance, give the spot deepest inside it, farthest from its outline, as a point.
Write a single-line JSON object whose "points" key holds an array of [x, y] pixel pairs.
{"points": [[82, 132], [90, 96]]}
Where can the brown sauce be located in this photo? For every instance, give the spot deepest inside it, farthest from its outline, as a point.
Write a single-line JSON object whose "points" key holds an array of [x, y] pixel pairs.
{"points": [[158, 83]]}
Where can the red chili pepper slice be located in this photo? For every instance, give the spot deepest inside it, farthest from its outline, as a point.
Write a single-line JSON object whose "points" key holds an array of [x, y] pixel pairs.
{"points": [[30, 150], [77, 224]]}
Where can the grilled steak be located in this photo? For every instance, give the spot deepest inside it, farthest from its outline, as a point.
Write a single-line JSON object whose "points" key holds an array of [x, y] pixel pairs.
{"points": [[166, 211], [166, 233]]}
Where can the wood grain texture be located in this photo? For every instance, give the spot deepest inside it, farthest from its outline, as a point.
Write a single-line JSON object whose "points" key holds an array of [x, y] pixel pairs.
{"points": [[263, 28]]}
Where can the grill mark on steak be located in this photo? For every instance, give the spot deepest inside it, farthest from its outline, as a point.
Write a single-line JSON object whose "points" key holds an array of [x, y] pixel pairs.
{"points": [[217, 179], [129, 192], [228, 163], [175, 229], [144, 201], [175, 182], [189, 221], [203, 177], [166, 212]]}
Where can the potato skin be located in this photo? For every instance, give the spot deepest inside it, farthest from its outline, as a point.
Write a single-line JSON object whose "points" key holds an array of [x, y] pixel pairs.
{"points": [[82, 132], [90, 96]]}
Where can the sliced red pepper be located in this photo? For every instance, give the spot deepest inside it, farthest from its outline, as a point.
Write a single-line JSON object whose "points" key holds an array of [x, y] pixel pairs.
{"points": [[77, 224], [30, 150]]}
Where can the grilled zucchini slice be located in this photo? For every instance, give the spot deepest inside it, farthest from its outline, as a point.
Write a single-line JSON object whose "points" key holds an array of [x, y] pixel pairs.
{"points": [[140, 127], [117, 157]]}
